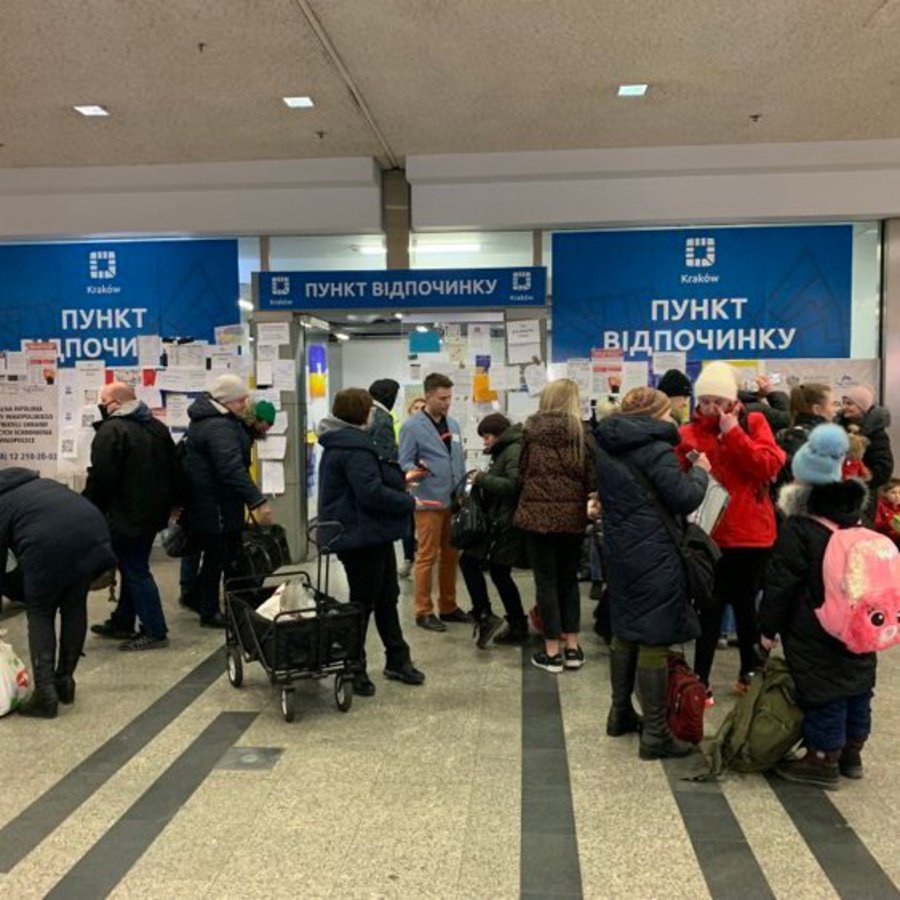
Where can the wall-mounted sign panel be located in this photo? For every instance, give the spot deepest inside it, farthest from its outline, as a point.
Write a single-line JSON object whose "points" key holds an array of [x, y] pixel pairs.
{"points": [[402, 289], [713, 293], [97, 298]]}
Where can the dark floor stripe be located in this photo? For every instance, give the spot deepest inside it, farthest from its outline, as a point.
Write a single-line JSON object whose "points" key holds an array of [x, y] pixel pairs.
{"points": [[27, 830], [549, 849], [108, 861], [851, 869], [726, 859]]}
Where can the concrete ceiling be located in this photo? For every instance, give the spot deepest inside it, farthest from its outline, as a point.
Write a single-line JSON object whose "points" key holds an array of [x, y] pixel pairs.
{"points": [[195, 80]]}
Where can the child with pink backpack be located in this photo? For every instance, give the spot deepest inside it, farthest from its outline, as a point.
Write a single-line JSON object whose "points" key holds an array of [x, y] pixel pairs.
{"points": [[832, 594]]}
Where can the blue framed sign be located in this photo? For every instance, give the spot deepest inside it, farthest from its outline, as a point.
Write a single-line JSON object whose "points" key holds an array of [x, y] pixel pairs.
{"points": [[97, 297], [714, 293], [402, 288]]}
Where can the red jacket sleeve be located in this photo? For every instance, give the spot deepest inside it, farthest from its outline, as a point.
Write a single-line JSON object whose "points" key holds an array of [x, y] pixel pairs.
{"points": [[755, 452]]}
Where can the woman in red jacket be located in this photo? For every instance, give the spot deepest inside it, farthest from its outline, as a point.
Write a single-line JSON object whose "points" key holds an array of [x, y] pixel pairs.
{"points": [[744, 458]]}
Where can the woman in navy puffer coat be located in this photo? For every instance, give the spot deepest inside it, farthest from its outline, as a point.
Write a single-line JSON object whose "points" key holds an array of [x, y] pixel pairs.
{"points": [[649, 601], [363, 509]]}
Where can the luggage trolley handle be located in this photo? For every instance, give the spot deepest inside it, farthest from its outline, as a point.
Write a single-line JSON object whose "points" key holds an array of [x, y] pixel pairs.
{"points": [[333, 530]]}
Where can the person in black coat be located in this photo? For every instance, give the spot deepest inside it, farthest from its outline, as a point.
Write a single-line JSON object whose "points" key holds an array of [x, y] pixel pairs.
{"points": [[61, 543], [384, 436], [858, 408], [774, 405], [363, 508], [132, 480], [811, 405], [649, 602], [834, 685], [504, 545], [217, 462]]}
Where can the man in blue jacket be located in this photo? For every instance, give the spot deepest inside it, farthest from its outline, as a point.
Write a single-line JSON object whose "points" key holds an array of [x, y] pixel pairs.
{"points": [[431, 441]]}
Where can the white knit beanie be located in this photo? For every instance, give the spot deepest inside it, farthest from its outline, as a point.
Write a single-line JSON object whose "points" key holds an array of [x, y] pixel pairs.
{"points": [[227, 388], [717, 380]]}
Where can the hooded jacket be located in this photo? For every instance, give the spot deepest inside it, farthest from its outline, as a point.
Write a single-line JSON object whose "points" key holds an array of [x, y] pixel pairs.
{"points": [[132, 478], [745, 461], [823, 668], [878, 456], [57, 536], [648, 593], [499, 485], [790, 440], [358, 489], [383, 435], [217, 460], [555, 485]]}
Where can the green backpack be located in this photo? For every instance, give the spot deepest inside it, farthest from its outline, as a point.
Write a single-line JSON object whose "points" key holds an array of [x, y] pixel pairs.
{"points": [[763, 726]]}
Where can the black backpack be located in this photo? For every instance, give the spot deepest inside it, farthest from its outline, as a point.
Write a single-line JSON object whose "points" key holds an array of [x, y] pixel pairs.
{"points": [[469, 521]]}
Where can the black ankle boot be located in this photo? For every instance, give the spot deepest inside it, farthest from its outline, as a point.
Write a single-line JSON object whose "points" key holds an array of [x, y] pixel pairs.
{"points": [[65, 687], [516, 632], [622, 718], [657, 742], [44, 702]]}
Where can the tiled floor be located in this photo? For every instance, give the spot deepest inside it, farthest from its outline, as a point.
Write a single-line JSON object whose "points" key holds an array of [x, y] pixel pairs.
{"points": [[493, 780]]}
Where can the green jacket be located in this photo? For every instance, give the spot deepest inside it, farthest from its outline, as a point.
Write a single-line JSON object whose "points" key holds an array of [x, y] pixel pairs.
{"points": [[500, 489]]}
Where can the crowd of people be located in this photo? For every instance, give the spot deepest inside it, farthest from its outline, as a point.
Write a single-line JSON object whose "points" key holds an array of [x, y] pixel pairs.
{"points": [[643, 467]]}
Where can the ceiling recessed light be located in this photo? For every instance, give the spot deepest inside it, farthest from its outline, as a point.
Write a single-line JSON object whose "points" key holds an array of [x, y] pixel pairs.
{"points": [[298, 102], [633, 90], [398, 315], [246, 305], [92, 110], [342, 336]]}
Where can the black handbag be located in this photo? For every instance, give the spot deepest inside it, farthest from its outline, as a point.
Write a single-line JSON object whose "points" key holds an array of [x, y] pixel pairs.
{"points": [[469, 522], [698, 551]]}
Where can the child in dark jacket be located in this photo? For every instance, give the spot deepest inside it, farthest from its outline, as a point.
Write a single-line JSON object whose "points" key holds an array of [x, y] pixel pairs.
{"points": [[834, 685], [887, 516]]}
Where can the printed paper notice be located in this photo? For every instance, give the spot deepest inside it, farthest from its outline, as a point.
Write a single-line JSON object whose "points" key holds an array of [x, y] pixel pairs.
{"points": [[266, 352], [264, 373], [535, 378], [149, 350], [284, 375], [273, 447], [177, 410], [479, 340], [525, 331], [281, 423], [579, 371], [523, 353], [274, 333], [663, 362], [272, 473], [634, 374]]}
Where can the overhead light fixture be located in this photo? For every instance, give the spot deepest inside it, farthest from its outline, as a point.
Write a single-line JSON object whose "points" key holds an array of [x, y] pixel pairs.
{"points": [[342, 336], [447, 247], [371, 249], [398, 316], [92, 110], [633, 90], [298, 102], [422, 329], [246, 305]]}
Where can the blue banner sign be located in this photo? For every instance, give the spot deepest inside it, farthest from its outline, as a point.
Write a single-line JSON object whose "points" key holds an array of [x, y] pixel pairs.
{"points": [[96, 298], [402, 288], [714, 293]]}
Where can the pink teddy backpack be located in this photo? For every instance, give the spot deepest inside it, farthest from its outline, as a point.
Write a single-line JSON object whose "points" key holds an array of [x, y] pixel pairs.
{"points": [[861, 573]]}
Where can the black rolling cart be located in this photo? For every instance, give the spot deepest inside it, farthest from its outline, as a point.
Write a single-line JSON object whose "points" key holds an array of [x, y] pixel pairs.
{"points": [[297, 644]]}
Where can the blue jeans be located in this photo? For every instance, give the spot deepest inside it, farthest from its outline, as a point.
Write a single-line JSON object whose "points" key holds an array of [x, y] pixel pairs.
{"points": [[827, 727], [139, 590]]}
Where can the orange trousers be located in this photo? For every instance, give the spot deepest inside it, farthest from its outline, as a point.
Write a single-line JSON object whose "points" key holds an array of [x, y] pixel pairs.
{"points": [[433, 537]]}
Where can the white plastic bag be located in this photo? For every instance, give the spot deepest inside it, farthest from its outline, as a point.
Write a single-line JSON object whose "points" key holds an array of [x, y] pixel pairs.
{"points": [[15, 685], [290, 596]]}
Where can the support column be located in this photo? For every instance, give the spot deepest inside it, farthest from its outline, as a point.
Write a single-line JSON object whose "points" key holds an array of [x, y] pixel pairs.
{"points": [[395, 214]]}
